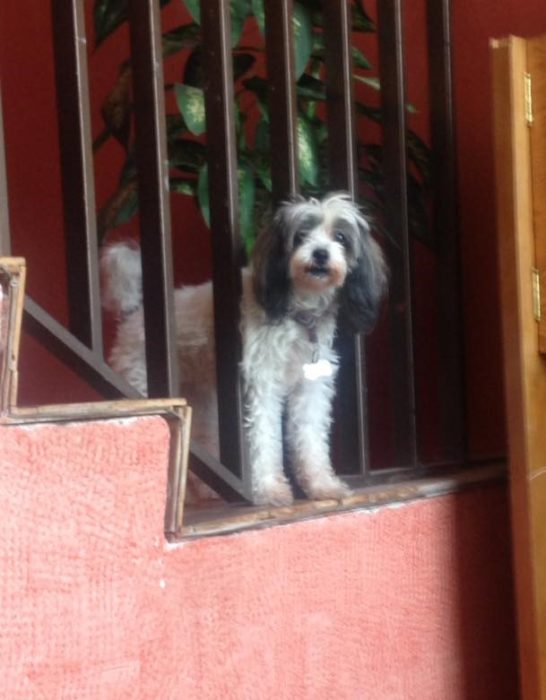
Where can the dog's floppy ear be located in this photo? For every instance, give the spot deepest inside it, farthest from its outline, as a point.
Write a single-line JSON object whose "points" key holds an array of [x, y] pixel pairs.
{"points": [[365, 285], [270, 268]]}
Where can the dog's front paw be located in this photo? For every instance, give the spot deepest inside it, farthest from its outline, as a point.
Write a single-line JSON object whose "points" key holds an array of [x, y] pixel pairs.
{"points": [[325, 487], [274, 491]]}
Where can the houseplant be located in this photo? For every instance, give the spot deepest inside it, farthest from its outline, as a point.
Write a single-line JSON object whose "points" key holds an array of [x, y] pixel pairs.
{"points": [[186, 123]]}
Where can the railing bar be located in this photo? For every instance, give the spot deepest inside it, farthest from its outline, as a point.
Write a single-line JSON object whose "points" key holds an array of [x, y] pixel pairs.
{"points": [[446, 225], [75, 354], [59, 341], [215, 474], [342, 155], [393, 107], [227, 251], [77, 175], [350, 408], [153, 195], [5, 238], [279, 40]]}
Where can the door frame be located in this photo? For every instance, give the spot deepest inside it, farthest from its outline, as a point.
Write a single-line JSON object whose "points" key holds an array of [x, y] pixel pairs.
{"points": [[524, 366]]}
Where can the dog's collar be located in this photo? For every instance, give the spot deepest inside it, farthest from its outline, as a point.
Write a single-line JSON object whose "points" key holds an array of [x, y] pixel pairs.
{"points": [[124, 315], [318, 367], [309, 321]]}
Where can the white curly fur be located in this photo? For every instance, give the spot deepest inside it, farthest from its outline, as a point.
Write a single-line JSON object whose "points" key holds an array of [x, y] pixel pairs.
{"points": [[287, 282]]}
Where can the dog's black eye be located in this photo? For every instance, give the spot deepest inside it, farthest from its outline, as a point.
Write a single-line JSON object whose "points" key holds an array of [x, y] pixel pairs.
{"points": [[299, 238], [340, 237]]}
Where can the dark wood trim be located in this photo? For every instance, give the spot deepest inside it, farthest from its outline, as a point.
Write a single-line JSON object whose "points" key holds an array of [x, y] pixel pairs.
{"points": [[446, 227], [216, 475], [218, 520], [73, 353], [77, 173], [227, 251], [279, 42], [153, 195], [350, 427], [393, 109], [341, 122]]}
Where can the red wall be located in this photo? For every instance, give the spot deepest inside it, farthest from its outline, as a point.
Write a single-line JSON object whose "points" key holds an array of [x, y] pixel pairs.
{"points": [[410, 602], [27, 86], [475, 21]]}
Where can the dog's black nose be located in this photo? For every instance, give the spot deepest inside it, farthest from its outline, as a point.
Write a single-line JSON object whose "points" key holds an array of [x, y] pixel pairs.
{"points": [[321, 256]]}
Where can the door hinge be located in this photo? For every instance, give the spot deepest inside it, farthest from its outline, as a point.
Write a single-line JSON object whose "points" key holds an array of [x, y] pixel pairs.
{"points": [[537, 312], [528, 98]]}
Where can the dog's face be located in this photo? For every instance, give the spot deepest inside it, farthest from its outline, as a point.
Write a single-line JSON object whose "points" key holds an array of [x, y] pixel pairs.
{"points": [[322, 244], [320, 248]]}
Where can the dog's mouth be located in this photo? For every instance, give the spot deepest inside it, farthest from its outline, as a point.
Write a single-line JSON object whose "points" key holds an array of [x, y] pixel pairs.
{"points": [[318, 271]]}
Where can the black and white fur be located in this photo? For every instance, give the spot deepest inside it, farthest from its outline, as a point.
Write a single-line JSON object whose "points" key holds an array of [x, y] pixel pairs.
{"points": [[314, 267]]}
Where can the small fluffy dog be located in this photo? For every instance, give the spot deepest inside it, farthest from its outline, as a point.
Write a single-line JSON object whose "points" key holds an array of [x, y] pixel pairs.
{"points": [[314, 267]]}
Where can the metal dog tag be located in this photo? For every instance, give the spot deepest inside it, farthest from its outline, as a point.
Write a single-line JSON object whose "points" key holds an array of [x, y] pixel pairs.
{"points": [[316, 370]]}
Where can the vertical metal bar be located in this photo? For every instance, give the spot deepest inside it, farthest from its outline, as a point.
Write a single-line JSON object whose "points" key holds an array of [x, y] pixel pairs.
{"points": [[342, 157], [393, 108], [153, 195], [227, 251], [350, 408], [70, 48], [279, 40], [446, 226], [5, 239]]}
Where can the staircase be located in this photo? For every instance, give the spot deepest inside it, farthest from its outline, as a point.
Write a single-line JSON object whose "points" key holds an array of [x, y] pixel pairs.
{"points": [[104, 594], [394, 603]]}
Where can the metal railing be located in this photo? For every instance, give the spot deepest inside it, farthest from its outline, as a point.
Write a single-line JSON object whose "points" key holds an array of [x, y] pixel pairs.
{"points": [[81, 344]]}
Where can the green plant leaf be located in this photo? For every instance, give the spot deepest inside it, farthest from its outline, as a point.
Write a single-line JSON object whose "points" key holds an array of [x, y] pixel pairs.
{"points": [[421, 156], [360, 60], [368, 80], [129, 171], [303, 32], [319, 52], [108, 15], [119, 208], [182, 185], [247, 190], [186, 155], [116, 108], [242, 63], [263, 171], [258, 86], [239, 13], [194, 8], [193, 70], [194, 73], [187, 36], [259, 14], [308, 159], [203, 193], [418, 213], [311, 88], [130, 206], [362, 22], [261, 141], [303, 37], [101, 139], [176, 126], [191, 103]]}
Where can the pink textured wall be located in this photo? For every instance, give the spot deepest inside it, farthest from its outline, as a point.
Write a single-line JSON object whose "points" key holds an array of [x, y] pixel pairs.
{"points": [[402, 603]]}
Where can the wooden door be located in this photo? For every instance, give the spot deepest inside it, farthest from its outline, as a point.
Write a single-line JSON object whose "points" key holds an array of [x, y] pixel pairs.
{"points": [[519, 95]]}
